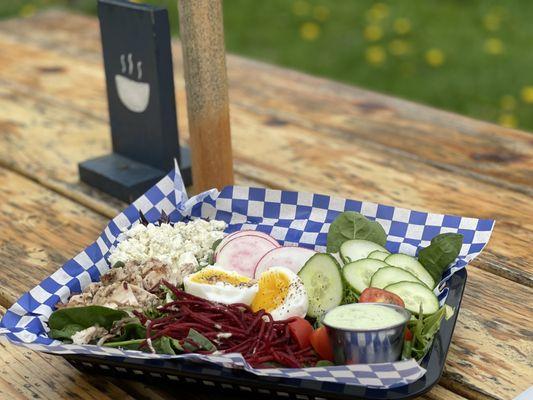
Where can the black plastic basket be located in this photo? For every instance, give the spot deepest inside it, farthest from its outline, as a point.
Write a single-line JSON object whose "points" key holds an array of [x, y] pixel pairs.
{"points": [[195, 373]]}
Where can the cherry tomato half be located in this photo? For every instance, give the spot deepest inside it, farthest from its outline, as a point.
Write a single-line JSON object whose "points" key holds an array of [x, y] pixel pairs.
{"points": [[321, 344], [408, 335], [301, 331], [375, 295]]}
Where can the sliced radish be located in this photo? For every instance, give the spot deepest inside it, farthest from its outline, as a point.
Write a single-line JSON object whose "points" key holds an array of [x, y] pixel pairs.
{"points": [[237, 234], [292, 258], [242, 254]]}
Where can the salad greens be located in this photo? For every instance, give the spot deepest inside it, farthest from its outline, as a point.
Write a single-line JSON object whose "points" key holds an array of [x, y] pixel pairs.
{"points": [[353, 225], [211, 260], [442, 251], [66, 322], [129, 332], [424, 329]]}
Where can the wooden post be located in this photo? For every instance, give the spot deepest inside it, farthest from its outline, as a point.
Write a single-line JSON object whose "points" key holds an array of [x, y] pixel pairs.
{"points": [[204, 59]]}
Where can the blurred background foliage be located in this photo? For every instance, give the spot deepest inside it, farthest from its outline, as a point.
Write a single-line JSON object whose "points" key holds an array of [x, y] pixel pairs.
{"points": [[468, 56]]}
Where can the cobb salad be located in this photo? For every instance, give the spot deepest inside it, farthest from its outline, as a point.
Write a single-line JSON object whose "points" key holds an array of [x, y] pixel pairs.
{"points": [[187, 287]]}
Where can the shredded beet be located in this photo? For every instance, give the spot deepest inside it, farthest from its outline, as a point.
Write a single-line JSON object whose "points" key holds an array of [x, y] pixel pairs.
{"points": [[233, 328]]}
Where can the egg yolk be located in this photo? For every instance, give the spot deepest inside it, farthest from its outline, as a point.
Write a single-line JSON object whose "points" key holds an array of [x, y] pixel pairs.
{"points": [[273, 290], [209, 276]]}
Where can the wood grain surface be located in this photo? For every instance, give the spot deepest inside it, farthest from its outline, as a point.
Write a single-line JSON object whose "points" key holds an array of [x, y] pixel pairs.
{"points": [[343, 167], [446, 140], [295, 132], [284, 156]]}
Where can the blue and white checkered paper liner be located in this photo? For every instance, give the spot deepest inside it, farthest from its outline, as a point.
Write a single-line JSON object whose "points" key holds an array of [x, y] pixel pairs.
{"points": [[293, 218]]}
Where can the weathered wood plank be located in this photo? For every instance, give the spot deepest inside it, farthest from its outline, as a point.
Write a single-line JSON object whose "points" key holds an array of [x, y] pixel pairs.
{"points": [[444, 140], [25, 374], [493, 323], [35, 142]]}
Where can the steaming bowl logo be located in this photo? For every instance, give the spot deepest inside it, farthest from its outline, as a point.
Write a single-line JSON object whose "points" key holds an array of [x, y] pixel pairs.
{"points": [[133, 94]]}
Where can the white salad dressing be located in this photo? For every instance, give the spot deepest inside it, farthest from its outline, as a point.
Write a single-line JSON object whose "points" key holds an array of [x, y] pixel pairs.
{"points": [[363, 316]]}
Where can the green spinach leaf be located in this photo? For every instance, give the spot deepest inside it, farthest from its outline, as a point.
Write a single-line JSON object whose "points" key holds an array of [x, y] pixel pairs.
{"points": [[215, 244], [163, 345], [200, 340], [211, 260], [353, 225], [65, 322], [118, 264], [66, 332], [132, 344], [176, 345], [442, 251], [130, 328]]}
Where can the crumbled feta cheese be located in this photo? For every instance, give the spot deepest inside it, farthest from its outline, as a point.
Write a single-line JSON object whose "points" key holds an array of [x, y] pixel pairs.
{"points": [[182, 246]]}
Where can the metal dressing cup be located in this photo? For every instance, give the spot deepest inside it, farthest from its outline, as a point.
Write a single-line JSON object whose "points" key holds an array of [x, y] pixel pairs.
{"points": [[368, 346]]}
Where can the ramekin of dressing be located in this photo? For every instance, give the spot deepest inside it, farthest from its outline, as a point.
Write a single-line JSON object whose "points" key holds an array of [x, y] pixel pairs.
{"points": [[366, 333]]}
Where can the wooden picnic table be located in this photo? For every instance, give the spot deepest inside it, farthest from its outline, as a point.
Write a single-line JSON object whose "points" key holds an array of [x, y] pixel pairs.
{"points": [[290, 131]]}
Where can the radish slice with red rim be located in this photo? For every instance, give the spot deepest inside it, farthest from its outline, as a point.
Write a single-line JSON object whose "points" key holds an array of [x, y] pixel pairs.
{"points": [[242, 254], [237, 234], [292, 258]]}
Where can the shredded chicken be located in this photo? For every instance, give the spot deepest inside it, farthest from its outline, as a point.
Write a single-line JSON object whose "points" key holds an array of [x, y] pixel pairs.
{"points": [[129, 286], [88, 335]]}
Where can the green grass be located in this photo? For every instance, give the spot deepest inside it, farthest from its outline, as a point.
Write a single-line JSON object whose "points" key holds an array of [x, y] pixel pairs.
{"points": [[472, 57]]}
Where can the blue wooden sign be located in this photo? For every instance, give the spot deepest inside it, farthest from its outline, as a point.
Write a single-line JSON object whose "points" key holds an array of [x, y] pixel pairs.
{"points": [[142, 107]]}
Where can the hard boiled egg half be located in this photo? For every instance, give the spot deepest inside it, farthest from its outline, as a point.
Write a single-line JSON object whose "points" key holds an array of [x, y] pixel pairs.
{"points": [[219, 285], [281, 293]]}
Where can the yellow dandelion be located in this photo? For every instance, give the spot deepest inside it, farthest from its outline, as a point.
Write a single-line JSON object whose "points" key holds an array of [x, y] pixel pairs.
{"points": [[492, 22], [301, 8], [375, 55], [399, 47], [508, 102], [402, 26], [493, 46], [527, 94], [434, 57], [321, 13], [508, 120], [373, 33], [27, 11], [377, 12], [310, 31]]}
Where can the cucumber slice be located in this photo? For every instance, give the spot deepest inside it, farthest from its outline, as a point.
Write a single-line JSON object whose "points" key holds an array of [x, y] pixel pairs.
{"points": [[411, 264], [356, 249], [389, 275], [414, 295], [379, 255], [322, 280], [358, 273]]}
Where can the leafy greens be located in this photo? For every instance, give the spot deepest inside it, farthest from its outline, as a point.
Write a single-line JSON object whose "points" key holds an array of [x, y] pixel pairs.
{"points": [[442, 251], [424, 330], [66, 322], [353, 225]]}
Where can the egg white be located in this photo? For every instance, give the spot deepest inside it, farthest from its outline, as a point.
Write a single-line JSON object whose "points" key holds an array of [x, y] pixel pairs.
{"points": [[221, 292]]}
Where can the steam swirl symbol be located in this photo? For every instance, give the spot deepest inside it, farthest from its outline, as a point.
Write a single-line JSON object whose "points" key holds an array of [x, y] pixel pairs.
{"points": [[134, 94]]}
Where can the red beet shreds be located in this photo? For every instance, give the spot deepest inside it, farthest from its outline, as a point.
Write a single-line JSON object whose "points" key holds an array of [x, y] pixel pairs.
{"points": [[233, 328]]}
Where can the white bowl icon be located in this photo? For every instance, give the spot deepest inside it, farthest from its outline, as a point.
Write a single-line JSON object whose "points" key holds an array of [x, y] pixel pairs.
{"points": [[134, 95]]}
